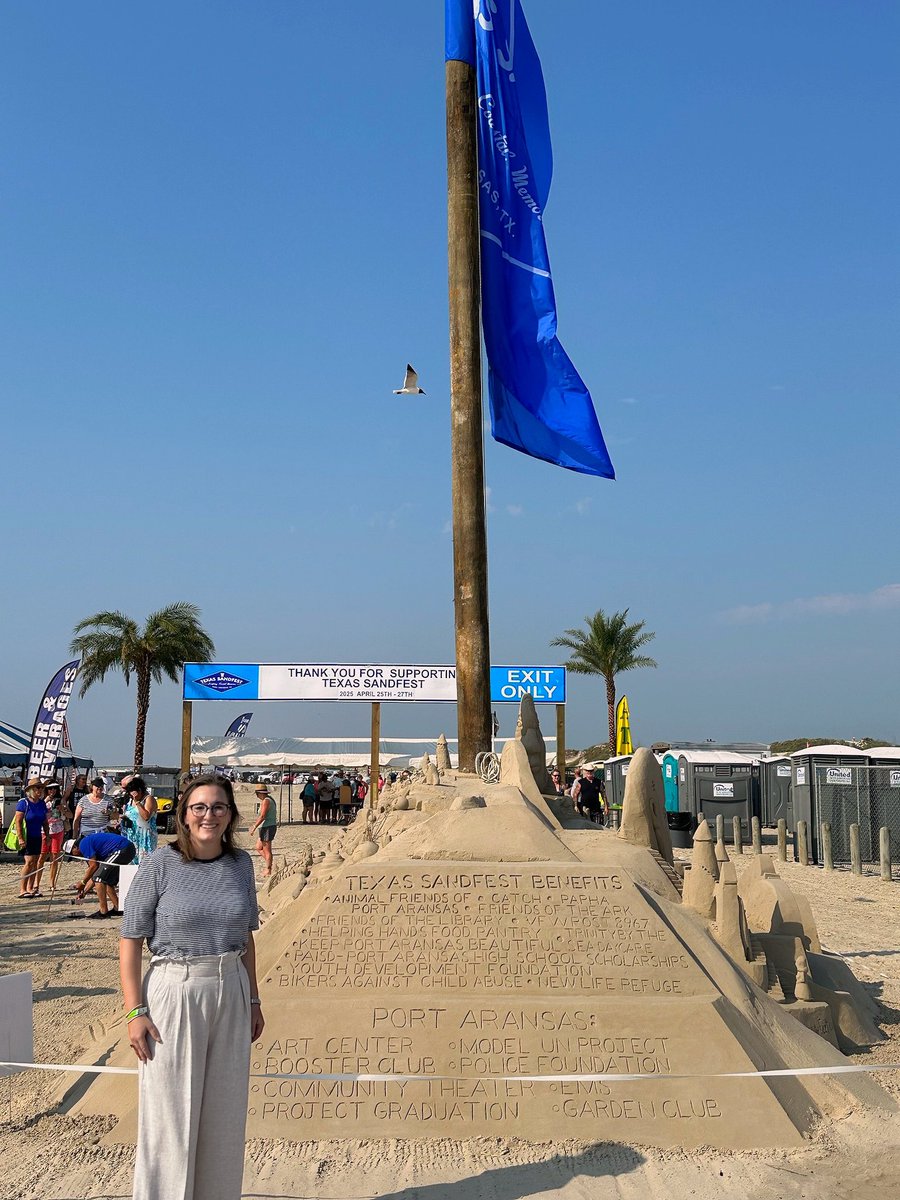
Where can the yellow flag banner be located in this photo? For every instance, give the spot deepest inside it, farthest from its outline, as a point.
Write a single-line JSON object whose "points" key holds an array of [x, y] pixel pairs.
{"points": [[623, 728]]}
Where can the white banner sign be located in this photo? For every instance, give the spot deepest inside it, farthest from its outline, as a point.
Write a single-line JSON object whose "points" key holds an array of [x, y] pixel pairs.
{"points": [[356, 681], [895, 779], [801, 776], [783, 772], [723, 791], [318, 681]]}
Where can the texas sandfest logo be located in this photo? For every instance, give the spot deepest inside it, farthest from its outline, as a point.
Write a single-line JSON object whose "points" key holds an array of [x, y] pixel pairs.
{"points": [[222, 681]]}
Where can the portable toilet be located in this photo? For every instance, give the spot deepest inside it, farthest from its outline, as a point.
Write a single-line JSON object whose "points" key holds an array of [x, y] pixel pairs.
{"points": [[679, 817], [670, 780], [884, 793], [775, 790], [830, 783], [615, 772], [711, 782]]}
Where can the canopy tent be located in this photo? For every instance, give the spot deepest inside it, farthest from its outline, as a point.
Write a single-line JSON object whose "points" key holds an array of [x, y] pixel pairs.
{"points": [[394, 753], [308, 752], [15, 744]]}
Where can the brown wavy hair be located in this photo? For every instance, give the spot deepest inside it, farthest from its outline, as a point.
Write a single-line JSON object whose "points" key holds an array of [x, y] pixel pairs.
{"points": [[182, 841]]}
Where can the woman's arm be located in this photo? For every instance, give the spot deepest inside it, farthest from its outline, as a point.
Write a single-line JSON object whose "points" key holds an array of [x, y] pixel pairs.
{"points": [[263, 809], [140, 1029], [257, 1021], [76, 823]]}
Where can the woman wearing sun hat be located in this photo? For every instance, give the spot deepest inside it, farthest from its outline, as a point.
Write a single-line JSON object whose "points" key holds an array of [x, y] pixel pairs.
{"points": [[265, 825], [31, 822]]}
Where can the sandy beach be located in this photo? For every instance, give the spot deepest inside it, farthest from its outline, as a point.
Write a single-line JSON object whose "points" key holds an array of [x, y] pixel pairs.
{"points": [[49, 1155]]}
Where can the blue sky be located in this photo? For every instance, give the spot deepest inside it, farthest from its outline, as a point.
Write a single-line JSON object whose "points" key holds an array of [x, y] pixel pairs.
{"points": [[224, 236]]}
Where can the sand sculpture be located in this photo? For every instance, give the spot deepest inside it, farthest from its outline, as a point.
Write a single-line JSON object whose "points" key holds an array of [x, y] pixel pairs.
{"points": [[528, 732], [442, 754], [472, 940]]}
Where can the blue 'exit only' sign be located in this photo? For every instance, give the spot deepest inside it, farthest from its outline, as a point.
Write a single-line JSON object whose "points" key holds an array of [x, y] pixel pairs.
{"points": [[546, 685]]}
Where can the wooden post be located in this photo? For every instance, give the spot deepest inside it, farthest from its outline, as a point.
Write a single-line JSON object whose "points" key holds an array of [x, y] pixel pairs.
{"points": [[375, 754], [561, 742], [782, 839], [802, 844], [827, 851], [470, 588], [756, 829], [855, 856], [884, 838], [186, 712], [738, 835]]}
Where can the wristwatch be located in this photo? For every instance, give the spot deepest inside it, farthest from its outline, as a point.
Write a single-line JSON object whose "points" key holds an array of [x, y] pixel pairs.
{"points": [[255, 1000]]}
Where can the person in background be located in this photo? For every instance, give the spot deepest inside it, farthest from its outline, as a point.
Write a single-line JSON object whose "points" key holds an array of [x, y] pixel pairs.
{"points": [[105, 852], [139, 817], [573, 790], [558, 785], [193, 1016], [308, 796], [72, 797], [52, 843], [31, 822], [326, 794], [93, 812], [588, 800], [265, 825], [345, 800]]}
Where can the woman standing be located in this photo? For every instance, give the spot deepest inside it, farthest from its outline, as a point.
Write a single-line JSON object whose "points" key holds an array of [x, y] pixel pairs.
{"points": [[31, 821], [140, 811], [266, 824], [309, 801], [52, 842], [93, 812], [192, 1020]]}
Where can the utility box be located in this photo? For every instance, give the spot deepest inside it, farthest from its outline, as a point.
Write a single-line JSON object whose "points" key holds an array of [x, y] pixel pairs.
{"points": [[775, 799], [10, 796]]}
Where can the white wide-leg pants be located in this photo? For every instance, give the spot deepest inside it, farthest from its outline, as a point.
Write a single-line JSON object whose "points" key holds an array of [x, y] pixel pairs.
{"points": [[193, 1093]]}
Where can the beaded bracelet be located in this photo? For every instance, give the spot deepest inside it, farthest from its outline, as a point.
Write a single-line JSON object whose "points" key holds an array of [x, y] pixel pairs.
{"points": [[141, 1011]]}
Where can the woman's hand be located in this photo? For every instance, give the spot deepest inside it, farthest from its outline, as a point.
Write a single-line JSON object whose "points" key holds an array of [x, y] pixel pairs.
{"points": [[257, 1022], [140, 1032]]}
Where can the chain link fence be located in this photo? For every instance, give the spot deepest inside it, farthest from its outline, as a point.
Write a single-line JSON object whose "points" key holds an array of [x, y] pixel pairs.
{"points": [[866, 796]]}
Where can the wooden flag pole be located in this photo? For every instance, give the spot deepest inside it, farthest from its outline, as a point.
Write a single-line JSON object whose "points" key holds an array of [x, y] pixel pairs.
{"points": [[470, 593], [186, 712]]}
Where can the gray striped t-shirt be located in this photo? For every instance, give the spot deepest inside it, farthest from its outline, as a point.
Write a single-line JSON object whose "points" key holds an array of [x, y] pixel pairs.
{"points": [[186, 909]]}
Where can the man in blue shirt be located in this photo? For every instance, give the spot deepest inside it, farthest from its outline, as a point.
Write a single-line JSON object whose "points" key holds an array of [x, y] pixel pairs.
{"points": [[105, 852]]}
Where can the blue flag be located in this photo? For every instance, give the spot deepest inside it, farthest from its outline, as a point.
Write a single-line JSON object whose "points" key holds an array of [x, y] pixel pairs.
{"points": [[539, 403], [238, 726]]}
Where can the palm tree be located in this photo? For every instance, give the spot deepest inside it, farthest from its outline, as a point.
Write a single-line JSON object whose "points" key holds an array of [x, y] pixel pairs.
{"points": [[111, 641], [608, 648]]}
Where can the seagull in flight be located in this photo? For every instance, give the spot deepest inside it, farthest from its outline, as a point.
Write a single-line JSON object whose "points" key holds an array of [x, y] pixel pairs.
{"points": [[410, 384]]}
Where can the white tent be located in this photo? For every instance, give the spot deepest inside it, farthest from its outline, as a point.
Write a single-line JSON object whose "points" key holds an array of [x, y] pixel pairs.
{"points": [[15, 745], [394, 753]]}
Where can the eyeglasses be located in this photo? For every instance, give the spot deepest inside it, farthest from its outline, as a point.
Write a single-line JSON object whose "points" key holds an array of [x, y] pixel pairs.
{"points": [[200, 810]]}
